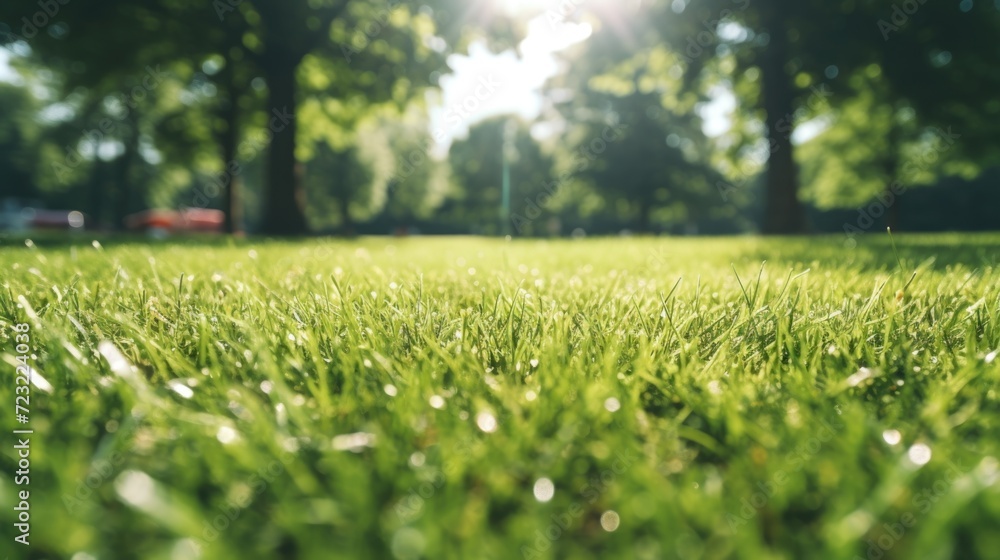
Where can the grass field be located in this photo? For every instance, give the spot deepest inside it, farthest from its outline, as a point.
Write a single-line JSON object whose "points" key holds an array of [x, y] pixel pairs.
{"points": [[483, 399]]}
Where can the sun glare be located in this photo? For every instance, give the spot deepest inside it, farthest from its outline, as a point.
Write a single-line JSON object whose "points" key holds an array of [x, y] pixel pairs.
{"points": [[526, 7]]}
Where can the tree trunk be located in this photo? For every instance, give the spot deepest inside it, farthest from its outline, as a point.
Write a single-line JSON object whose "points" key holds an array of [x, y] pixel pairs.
{"points": [[232, 198], [783, 214], [892, 174], [283, 197], [98, 195], [346, 223], [892, 212], [645, 209], [124, 175]]}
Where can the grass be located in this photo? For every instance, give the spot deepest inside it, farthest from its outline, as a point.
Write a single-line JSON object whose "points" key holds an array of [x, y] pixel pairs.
{"points": [[407, 398]]}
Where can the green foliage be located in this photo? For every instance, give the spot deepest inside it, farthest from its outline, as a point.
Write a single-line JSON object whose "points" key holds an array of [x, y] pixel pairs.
{"points": [[477, 172], [18, 142]]}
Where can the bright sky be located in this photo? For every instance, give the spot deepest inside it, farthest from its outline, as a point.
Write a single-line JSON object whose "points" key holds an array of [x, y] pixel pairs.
{"points": [[484, 84], [7, 74]]}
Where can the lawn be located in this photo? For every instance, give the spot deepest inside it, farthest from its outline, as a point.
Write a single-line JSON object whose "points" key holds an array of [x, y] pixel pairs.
{"points": [[484, 399]]}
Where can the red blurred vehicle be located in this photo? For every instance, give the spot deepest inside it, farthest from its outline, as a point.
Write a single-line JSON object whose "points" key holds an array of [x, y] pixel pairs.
{"points": [[159, 222]]}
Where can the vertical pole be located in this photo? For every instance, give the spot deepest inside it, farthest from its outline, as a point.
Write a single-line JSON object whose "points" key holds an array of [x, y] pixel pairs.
{"points": [[505, 198]]}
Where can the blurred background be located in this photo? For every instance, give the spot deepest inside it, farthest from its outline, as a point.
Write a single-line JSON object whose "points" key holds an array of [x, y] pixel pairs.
{"points": [[499, 117]]}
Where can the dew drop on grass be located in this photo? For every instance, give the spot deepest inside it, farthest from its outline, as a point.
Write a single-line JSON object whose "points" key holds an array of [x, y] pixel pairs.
{"points": [[612, 404], [353, 442], [990, 357], [408, 543], [417, 459], [266, 386], [714, 387], [988, 471], [530, 396], [136, 488], [892, 437], [290, 445], [919, 454], [185, 549], [610, 520], [36, 379], [180, 388], [116, 361], [544, 489], [859, 376], [390, 390], [486, 422], [437, 401], [225, 435]]}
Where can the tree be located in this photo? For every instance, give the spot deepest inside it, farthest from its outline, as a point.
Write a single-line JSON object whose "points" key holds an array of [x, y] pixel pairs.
{"points": [[906, 86], [155, 42], [19, 142], [477, 174], [377, 52], [632, 134]]}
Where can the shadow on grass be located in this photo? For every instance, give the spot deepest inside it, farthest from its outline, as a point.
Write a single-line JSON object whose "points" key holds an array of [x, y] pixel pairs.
{"points": [[875, 252]]}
